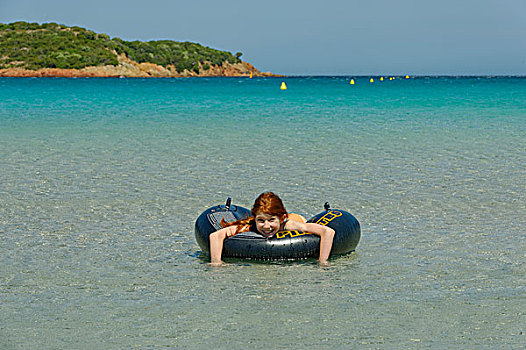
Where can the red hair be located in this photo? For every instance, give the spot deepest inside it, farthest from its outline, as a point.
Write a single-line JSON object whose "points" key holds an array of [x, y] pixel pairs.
{"points": [[268, 203]]}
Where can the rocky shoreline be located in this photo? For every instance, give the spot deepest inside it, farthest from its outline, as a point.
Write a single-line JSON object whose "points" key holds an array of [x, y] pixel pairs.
{"points": [[128, 68]]}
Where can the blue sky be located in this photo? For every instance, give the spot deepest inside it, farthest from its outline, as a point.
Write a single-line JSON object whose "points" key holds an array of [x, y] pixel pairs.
{"points": [[303, 37]]}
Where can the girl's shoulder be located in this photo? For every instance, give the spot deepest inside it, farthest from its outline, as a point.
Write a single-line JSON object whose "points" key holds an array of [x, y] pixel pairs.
{"points": [[245, 228], [296, 217], [293, 221]]}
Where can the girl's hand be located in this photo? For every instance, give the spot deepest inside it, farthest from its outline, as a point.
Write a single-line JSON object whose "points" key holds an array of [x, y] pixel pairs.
{"points": [[324, 263]]}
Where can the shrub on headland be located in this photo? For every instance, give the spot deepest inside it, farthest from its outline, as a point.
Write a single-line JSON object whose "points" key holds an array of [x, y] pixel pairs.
{"points": [[50, 45]]}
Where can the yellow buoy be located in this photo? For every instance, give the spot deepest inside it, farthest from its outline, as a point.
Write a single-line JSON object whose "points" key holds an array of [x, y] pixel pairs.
{"points": [[372, 80], [381, 78], [352, 82], [283, 86], [407, 76], [250, 75]]}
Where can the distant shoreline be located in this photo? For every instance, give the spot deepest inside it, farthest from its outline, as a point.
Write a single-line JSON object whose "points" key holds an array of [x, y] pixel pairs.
{"points": [[66, 73], [131, 69]]}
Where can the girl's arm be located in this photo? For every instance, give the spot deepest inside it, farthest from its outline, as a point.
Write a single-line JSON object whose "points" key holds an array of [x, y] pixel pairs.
{"points": [[326, 236], [216, 243]]}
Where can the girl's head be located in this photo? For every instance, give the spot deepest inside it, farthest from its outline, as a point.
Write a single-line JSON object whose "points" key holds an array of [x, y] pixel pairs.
{"points": [[268, 203], [269, 212]]}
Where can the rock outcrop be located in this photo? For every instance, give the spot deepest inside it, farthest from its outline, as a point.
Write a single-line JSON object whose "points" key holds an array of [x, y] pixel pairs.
{"points": [[131, 69]]}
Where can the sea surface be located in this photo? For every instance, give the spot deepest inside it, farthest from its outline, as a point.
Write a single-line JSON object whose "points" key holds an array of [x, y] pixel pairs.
{"points": [[101, 181]]}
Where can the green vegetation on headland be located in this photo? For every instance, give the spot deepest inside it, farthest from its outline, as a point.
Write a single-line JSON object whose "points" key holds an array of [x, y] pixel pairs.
{"points": [[34, 46]]}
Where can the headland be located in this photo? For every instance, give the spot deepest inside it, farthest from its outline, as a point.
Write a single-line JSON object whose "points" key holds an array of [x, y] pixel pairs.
{"points": [[55, 50]]}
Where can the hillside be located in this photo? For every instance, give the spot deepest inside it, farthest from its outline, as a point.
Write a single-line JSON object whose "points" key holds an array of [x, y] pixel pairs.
{"points": [[50, 49]]}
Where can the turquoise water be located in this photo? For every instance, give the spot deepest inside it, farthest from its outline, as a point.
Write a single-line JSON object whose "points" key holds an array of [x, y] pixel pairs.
{"points": [[102, 179]]}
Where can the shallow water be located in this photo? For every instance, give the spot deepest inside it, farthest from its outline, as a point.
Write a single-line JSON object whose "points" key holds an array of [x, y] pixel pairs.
{"points": [[102, 179]]}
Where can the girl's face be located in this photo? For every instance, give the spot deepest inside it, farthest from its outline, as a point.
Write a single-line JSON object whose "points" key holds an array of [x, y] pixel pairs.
{"points": [[268, 224]]}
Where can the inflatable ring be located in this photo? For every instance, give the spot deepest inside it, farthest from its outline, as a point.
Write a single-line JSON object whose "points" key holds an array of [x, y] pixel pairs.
{"points": [[283, 245]]}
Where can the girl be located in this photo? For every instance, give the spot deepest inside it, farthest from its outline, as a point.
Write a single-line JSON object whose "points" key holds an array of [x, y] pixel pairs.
{"points": [[268, 217]]}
